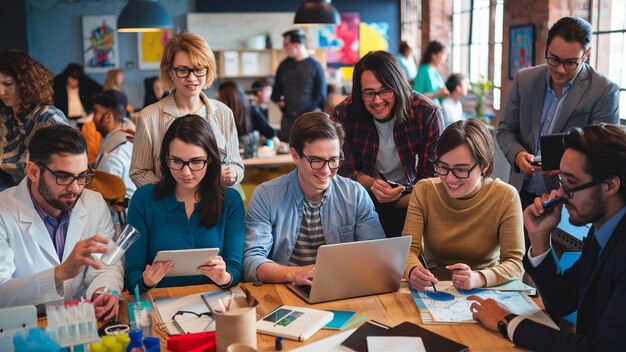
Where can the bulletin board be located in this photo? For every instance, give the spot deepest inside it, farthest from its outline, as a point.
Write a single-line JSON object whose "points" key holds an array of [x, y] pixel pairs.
{"points": [[230, 30]]}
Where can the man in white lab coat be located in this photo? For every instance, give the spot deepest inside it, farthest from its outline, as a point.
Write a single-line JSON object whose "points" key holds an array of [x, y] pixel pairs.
{"points": [[50, 226]]}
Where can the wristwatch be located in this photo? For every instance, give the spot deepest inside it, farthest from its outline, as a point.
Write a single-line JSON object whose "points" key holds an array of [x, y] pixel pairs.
{"points": [[504, 324]]}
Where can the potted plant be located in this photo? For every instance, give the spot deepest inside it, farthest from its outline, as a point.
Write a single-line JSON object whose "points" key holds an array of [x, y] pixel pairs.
{"points": [[481, 88]]}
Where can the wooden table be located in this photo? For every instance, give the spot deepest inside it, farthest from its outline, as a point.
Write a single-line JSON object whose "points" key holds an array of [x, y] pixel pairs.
{"points": [[270, 161], [390, 309]]}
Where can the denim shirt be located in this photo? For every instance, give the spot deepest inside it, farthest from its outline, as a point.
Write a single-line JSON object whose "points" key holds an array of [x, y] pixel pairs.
{"points": [[275, 214]]}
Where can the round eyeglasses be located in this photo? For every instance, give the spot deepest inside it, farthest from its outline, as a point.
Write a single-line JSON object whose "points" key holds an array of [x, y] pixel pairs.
{"points": [[458, 172], [183, 72], [193, 164], [63, 179]]}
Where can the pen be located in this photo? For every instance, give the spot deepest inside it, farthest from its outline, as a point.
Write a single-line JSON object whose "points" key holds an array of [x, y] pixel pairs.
{"points": [[423, 261]]}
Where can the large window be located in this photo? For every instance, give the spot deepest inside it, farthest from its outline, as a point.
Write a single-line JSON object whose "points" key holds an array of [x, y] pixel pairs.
{"points": [[608, 52], [411, 24], [477, 41]]}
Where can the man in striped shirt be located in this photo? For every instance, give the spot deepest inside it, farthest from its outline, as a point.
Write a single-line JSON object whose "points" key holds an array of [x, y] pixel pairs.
{"points": [[290, 217]]}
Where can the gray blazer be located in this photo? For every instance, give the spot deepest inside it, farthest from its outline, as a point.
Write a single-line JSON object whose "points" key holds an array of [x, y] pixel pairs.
{"points": [[592, 99]]}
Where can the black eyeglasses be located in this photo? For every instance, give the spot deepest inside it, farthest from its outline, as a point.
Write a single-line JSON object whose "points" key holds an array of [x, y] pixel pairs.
{"points": [[570, 191], [66, 180], [316, 163], [567, 64], [183, 72], [193, 164], [458, 172], [185, 315], [384, 93]]}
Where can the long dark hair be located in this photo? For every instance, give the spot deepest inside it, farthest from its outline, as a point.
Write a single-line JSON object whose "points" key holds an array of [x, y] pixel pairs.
{"points": [[193, 129], [433, 48], [235, 98], [390, 74]]}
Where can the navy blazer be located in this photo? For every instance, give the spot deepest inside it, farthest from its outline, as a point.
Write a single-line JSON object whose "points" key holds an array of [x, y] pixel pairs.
{"points": [[599, 295]]}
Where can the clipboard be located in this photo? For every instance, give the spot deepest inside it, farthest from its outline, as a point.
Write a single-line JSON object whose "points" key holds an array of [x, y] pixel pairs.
{"points": [[14, 320]]}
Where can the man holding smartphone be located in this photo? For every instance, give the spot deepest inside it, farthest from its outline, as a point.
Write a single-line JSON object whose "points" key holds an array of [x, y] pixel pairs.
{"points": [[554, 97]]}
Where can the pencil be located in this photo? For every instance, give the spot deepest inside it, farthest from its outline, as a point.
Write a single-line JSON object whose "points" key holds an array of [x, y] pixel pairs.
{"points": [[423, 261]]}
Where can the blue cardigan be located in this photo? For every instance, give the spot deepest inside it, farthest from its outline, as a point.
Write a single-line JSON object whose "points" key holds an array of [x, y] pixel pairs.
{"points": [[163, 225]]}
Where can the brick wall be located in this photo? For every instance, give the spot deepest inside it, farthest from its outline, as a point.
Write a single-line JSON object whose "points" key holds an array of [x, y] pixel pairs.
{"points": [[436, 25]]}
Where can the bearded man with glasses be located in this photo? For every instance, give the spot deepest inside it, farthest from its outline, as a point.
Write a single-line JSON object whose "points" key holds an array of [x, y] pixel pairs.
{"points": [[50, 226], [290, 217], [593, 190], [553, 98]]}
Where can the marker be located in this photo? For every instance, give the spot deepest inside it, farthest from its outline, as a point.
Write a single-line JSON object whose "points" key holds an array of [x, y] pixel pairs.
{"points": [[549, 204], [423, 261]]}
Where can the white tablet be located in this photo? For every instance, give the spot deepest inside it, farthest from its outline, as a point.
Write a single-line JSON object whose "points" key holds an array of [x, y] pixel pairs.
{"points": [[187, 260]]}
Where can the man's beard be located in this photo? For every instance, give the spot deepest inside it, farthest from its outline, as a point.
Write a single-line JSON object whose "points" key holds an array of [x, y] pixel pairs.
{"points": [[592, 211], [56, 202]]}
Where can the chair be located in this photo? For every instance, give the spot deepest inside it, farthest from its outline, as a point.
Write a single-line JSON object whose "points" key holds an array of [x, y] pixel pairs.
{"points": [[113, 190]]}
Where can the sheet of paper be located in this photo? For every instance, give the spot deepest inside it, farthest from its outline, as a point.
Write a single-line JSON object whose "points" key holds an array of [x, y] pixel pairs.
{"points": [[457, 310], [249, 63], [395, 344], [231, 63]]}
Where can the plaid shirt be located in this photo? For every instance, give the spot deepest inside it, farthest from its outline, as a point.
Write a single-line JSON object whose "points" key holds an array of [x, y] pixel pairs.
{"points": [[415, 139]]}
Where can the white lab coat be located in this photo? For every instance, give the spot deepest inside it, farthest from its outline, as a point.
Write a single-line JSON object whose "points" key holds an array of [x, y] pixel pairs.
{"points": [[28, 257]]}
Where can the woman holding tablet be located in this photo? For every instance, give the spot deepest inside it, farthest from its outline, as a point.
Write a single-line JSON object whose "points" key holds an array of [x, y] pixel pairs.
{"points": [[189, 208], [463, 220]]}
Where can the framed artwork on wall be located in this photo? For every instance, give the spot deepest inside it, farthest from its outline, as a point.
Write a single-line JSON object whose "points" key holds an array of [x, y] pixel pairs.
{"points": [[100, 51], [150, 47], [521, 48]]}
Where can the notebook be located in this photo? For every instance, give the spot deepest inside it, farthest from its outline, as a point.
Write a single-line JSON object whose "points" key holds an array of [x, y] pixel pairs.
{"points": [[296, 323], [432, 342], [356, 269]]}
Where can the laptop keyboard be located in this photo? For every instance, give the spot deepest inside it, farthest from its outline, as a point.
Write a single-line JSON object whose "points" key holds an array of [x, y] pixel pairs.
{"points": [[306, 289]]}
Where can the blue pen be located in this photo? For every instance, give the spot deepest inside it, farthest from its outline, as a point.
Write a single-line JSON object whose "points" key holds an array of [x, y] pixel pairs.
{"points": [[423, 261]]}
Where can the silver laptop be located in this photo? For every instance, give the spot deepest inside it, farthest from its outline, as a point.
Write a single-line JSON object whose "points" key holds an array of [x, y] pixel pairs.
{"points": [[355, 269]]}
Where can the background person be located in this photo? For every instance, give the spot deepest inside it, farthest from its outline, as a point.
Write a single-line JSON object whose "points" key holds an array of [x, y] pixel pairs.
{"points": [[451, 106], [428, 81], [464, 220], [189, 208], [407, 60], [114, 79], [390, 130], [187, 67], [300, 83], [247, 118], [25, 107]]}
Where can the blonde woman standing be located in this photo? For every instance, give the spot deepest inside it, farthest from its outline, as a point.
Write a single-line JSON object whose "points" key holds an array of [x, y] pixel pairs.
{"points": [[187, 67]]}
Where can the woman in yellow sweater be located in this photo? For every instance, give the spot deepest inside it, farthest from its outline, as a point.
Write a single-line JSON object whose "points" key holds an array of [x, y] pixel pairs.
{"points": [[464, 220]]}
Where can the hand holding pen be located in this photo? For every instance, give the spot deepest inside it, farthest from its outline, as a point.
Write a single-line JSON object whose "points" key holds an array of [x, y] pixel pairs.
{"points": [[421, 278]]}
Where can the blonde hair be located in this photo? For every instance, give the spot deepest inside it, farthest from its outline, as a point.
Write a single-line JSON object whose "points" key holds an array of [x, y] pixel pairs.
{"points": [[199, 52], [110, 82]]}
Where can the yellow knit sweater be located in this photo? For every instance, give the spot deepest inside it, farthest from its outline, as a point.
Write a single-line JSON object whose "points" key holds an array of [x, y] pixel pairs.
{"points": [[485, 231]]}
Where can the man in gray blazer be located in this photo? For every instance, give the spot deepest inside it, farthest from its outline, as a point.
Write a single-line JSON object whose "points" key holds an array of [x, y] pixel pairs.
{"points": [[552, 98]]}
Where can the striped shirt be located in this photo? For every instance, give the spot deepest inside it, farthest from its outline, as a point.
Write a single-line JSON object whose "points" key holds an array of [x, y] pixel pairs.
{"points": [[16, 132], [311, 235]]}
